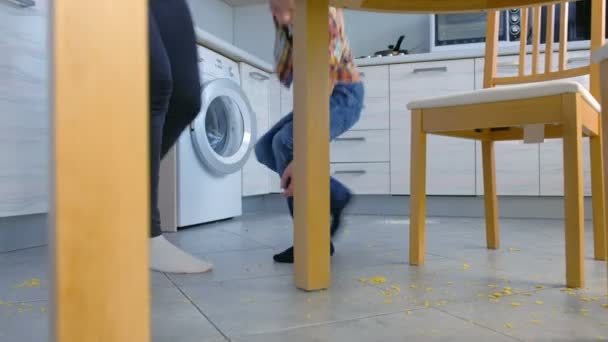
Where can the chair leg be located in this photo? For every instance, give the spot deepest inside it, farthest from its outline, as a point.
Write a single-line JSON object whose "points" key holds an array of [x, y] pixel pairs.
{"points": [[573, 193], [418, 190], [598, 198], [490, 200]]}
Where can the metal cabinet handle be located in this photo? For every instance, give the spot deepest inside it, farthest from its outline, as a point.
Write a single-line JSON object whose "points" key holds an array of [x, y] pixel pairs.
{"points": [[508, 65], [24, 3], [351, 139], [440, 69], [350, 172], [578, 59], [258, 76]]}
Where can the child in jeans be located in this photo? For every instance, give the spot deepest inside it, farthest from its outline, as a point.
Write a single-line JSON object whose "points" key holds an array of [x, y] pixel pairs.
{"points": [[275, 148]]}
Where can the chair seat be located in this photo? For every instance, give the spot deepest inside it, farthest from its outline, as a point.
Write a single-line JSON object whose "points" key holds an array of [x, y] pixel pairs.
{"points": [[506, 93]]}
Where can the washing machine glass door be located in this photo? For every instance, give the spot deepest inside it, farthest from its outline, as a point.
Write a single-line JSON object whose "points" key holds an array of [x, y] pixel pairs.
{"points": [[223, 133]]}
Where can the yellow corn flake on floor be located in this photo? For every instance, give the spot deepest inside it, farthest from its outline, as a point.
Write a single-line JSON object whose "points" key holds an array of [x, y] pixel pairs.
{"points": [[464, 292]]}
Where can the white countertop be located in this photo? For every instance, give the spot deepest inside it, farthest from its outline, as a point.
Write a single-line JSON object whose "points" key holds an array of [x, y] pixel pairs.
{"points": [[455, 54], [222, 47]]}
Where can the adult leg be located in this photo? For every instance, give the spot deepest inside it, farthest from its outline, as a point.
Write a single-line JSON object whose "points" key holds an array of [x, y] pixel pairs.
{"points": [[165, 93]]}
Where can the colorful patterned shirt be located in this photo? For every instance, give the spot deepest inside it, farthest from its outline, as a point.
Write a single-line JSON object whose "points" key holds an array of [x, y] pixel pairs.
{"points": [[342, 68]]}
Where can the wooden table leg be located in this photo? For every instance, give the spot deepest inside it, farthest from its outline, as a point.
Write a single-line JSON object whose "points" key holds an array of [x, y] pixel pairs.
{"points": [[311, 140], [418, 191], [100, 218]]}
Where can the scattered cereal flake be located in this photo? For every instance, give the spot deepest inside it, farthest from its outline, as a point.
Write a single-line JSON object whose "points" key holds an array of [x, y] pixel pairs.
{"points": [[493, 286], [442, 303], [450, 283], [429, 289], [377, 280], [387, 293], [466, 266], [363, 280], [396, 288], [413, 286], [515, 303], [479, 295], [586, 299], [509, 326], [512, 249], [34, 282], [309, 300], [507, 288], [605, 306], [426, 304], [536, 321], [539, 302], [408, 312], [42, 309], [497, 294], [540, 287], [388, 301]]}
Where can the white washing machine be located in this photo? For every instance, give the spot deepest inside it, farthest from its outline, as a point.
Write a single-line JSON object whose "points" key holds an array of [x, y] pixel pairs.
{"points": [[201, 177]]}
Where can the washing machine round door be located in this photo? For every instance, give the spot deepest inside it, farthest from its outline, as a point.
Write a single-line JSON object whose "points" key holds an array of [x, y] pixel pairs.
{"points": [[223, 133]]}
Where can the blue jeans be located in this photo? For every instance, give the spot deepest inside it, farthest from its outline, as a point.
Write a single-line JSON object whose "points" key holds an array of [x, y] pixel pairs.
{"points": [[275, 148]]}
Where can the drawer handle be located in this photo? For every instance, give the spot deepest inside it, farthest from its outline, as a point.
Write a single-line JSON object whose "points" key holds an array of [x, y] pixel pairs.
{"points": [[350, 172], [23, 3], [508, 65], [258, 76], [439, 69], [578, 59], [351, 139]]}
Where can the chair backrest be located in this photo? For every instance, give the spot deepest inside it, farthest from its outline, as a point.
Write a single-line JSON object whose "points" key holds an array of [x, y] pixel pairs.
{"points": [[549, 72]]}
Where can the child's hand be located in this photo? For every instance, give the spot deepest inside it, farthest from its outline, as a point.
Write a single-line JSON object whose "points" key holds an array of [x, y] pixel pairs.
{"points": [[287, 181]]}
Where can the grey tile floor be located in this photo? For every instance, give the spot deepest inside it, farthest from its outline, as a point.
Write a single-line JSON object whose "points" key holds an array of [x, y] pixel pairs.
{"points": [[375, 295]]}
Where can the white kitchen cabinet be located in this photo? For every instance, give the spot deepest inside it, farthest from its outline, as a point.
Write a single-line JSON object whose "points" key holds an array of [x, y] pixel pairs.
{"points": [[274, 115], [375, 114], [255, 84], [450, 161], [24, 109], [517, 164]]}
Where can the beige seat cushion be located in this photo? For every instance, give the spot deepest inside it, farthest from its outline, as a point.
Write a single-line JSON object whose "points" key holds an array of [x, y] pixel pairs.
{"points": [[507, 93]]}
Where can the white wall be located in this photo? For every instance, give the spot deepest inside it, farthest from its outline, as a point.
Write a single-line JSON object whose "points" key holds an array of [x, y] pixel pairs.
{"points": [[368, 32], [215, 17], [254, 31]]}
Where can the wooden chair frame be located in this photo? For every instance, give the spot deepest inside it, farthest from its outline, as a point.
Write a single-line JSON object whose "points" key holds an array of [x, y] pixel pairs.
{"points": [[567, 116]]}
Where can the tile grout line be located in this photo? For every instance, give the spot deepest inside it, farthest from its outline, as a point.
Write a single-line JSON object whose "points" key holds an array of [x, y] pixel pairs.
{"points": [[198, 309], [325, 323], [478, 324]]}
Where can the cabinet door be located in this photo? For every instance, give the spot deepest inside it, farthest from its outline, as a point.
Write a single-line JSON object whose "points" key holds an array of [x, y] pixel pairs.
{"points": [[517, 164], [274, 115], [375, 114], [255, 84], [24, 109], [450, 161]]}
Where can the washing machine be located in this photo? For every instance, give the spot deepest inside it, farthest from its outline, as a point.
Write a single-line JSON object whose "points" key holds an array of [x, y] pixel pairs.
{"points": [[200, 179]]}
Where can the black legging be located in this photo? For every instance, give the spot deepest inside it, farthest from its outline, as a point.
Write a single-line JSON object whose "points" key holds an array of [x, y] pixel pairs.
{"points": [[175, 97]]}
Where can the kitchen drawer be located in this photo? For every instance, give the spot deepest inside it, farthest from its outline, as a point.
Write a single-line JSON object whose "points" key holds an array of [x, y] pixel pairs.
{"points": [[375, 79], [552, 168], [415, 81], [361, 146], [363, 178], [375, 114]]}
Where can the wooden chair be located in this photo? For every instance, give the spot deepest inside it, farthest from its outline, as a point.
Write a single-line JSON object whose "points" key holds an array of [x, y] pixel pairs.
{"points": [[529, 102]]}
